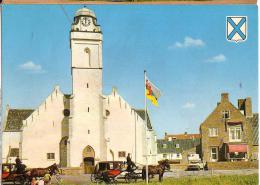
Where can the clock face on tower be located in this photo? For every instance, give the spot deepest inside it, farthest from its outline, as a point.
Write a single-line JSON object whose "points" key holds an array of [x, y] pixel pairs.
{"points": [[85, 21]]}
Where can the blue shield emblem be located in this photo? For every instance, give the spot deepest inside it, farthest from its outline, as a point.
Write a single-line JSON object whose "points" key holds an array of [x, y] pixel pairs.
{"points": [[236, 28]]}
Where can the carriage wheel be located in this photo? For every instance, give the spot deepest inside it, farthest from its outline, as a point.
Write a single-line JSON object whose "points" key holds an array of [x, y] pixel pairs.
{"points": [[130, 177], [93, 178], [112, 181], [19, 180]]}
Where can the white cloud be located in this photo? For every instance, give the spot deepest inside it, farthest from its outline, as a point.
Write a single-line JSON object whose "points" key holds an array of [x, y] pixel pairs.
{"points": [[188, 42], [217, 59], [31, 67], [188, 105]]}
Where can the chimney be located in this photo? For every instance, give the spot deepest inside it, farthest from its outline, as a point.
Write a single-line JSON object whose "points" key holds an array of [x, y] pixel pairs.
{"points": [[248, 107], [224, 97], [241, 105], [245, 106]]}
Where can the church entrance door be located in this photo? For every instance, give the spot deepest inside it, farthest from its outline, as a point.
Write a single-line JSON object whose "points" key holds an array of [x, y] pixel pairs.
{"points": [[63, 151], [89, 159]]}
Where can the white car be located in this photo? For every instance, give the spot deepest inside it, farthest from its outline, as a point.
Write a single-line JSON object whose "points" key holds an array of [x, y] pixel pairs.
{"points": [[195, 162]]}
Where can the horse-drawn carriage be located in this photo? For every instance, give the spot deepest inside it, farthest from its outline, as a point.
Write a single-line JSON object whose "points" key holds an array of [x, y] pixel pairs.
{"points": [[10, 175], [112, 171]]}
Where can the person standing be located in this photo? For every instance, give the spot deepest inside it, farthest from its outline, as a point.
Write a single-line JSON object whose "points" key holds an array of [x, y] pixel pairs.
{"points": [[130, 163], [18, 164]]}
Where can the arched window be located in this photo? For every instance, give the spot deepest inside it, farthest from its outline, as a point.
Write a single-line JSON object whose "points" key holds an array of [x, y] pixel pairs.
{"points": [[87, 51]]}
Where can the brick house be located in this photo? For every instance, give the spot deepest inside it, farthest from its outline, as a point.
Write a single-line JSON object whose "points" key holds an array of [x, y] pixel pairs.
{"points": [[227, 133], [177, 147]]}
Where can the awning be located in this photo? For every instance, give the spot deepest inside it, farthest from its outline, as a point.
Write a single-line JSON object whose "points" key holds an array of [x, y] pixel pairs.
{"points": [[237, 148], [234, 123]]}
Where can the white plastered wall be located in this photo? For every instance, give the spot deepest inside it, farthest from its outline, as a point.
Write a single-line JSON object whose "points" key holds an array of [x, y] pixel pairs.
{"points": [[125, 131], [9, 140], [42, 132]]}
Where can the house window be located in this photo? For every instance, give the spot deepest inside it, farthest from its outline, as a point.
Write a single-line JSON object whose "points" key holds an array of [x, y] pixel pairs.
{"points": [[235, 134], [226, 114], [88, 131], [164, 146], [50, 156], [165, 156], [121, 154], [213, 132], [177, 145], [214, 154]]}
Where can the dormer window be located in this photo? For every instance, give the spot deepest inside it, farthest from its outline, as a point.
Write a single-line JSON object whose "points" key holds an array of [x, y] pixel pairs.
{"points": [[226, 114]]}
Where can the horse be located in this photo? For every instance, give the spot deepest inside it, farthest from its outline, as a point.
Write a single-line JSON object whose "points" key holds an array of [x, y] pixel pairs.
{"points": [[41, 172], [158, 169]]}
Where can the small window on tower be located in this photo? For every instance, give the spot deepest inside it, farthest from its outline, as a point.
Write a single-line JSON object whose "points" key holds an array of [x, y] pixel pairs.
{"points": [[88, 131], [88, 109], [66, 112], [87, 85], [87, 51], [107, 113]]}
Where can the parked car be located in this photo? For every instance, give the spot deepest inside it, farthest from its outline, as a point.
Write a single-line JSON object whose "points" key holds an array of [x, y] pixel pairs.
{"points": [[193, 157], [195, 162], [193, 167]]}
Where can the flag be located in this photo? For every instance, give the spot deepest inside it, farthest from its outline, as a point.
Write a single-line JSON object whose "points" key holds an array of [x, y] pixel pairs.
{"points": [[152, 92]]}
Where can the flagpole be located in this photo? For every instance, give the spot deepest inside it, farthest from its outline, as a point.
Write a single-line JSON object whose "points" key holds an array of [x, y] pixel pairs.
{"points": [[145, 111]]}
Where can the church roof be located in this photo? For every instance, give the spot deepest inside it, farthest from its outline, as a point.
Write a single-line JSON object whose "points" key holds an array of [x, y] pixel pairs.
{"points": [[15, 117], [141, 113]]}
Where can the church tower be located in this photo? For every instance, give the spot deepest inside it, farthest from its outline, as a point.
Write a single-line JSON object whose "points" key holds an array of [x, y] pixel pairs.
{"points": [[86, 137]]}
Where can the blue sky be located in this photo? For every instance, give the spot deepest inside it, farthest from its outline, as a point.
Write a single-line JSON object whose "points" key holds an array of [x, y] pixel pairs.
{"points": [[183, 48]]}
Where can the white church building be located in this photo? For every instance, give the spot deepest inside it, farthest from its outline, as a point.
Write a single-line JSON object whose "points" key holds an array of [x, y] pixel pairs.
{"points": [[84, 127]]}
